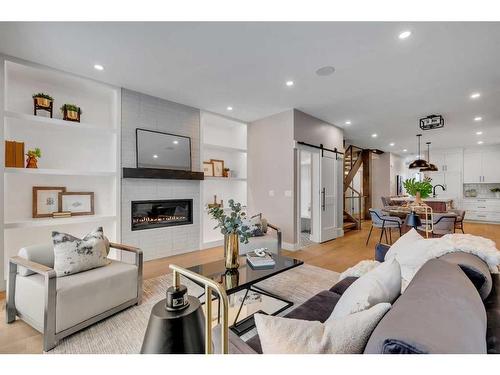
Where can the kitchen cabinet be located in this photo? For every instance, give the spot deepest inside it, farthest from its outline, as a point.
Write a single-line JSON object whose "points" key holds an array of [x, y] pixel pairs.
{"points": [[447, 161], [491, 170], [449, 174], [481, 166], [482, 209]]}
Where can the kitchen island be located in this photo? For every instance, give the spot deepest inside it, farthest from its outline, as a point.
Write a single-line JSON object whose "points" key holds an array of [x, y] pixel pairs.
{"points": [[438, 205]]}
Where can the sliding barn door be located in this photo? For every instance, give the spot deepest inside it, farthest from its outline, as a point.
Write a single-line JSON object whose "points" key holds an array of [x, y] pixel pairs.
{"points": [[330, 196]]}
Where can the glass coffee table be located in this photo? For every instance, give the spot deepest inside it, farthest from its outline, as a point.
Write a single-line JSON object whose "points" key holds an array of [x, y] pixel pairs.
{"points": [[245, 278]]}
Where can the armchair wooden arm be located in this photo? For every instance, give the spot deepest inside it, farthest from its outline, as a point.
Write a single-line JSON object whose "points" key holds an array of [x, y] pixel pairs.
{"points": [[33, 266], [128, 248]]}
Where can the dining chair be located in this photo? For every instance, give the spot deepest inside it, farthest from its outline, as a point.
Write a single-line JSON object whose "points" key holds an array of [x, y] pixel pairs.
{"points": [[386, 201], [459, 223], [383, 222], [442, 224]]}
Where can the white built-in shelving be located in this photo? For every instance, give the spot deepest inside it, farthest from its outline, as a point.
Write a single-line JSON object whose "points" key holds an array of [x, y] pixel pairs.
{"points": [[83, 157], [222, 139]]}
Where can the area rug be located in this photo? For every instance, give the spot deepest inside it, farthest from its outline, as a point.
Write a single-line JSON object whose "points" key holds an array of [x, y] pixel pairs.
{"points": [[123, 333]]}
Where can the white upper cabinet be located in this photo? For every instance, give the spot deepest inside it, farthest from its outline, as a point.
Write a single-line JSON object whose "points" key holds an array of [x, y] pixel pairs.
{"points": [[482, 166], [491, 170], [453, 161], [472, 167], [449, 174]]}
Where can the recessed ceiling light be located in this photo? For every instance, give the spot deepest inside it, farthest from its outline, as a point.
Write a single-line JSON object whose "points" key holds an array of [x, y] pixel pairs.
{"points": [[478, 118], [374, 135], [229, 108], [405, 34], [405, 150], [480, 142], [392, 144], [475, 95], [289, 83], [348, 122], [98, 67], [479, 133], [325, 71], [155, 156], [175, 142]]}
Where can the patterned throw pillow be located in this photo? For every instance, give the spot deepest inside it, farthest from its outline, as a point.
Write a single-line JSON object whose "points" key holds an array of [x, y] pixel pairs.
{"points": [[73, 255]]}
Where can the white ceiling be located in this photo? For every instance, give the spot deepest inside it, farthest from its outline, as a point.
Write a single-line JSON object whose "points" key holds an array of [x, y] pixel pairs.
{"points": [[381, 83]]}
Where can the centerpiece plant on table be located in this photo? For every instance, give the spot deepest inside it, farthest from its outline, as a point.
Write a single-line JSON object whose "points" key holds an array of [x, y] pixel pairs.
{"points": [[418, 189]]}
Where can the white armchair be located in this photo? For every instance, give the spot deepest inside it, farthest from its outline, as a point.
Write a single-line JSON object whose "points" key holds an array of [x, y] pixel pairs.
{"points": [[59, 307]]}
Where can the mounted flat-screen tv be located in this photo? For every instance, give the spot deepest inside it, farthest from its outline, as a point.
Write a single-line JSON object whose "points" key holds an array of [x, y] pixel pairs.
{"points": [[162, 150]]}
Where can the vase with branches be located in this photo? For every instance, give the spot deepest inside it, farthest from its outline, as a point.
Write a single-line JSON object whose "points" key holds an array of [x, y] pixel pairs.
{"points": [[232, 226]]}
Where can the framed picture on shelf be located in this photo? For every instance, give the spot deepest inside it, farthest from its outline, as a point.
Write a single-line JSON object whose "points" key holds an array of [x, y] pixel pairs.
{"points": [[208, 168], [78, 203], [218, 167], [46, 200]]}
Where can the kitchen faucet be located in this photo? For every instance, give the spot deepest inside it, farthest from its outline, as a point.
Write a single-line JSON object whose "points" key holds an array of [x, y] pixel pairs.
{"points": [[434, 195]]}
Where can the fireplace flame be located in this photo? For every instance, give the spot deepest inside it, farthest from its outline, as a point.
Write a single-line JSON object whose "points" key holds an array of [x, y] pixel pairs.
{"points": [[158, 219]]}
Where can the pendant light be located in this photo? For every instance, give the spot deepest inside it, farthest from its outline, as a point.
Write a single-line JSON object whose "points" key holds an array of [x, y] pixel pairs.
{"points": [[419, 163], [431, 167]]}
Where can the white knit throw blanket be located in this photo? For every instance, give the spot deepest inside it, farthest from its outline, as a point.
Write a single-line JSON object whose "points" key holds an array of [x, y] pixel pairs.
{"points": [[414, 256]]}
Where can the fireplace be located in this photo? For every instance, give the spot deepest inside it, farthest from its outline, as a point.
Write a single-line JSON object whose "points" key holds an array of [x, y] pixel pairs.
{"points": [[161, 213]]}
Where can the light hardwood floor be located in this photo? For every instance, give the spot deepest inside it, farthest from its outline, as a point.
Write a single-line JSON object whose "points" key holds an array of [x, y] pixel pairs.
{"points": [[335, 255]]}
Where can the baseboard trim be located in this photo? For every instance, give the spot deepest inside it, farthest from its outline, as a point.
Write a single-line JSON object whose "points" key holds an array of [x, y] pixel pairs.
{"points": [[290, 246]]}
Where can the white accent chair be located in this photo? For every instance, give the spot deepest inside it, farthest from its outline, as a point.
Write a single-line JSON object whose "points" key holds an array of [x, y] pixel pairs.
{"points": [[60, 306], [271, 240]]}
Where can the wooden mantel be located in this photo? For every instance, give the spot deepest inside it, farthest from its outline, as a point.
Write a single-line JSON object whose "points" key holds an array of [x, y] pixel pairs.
{"points": [[164, 174]]}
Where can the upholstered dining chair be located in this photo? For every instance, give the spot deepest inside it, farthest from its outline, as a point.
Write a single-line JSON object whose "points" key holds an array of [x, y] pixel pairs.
{"points": [[383, 222], [443, 224], [386, 201], [459, 223]]}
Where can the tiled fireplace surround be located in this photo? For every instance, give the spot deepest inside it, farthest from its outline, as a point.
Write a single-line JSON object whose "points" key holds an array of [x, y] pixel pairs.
{"points": [[143, 111]]}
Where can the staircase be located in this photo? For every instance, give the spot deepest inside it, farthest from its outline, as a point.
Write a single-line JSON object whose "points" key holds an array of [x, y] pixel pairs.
{"points": [[352, 163]]}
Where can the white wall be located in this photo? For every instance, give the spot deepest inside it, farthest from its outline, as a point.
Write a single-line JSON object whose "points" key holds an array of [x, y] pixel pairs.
{"points": [[144, 111], [2, 164], [272, 182], [381, 178], [312, 130], [271, 171]]}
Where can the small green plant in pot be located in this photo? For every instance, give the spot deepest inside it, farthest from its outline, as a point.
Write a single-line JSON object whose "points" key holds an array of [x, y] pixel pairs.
{"points": [[418, 189], [33, 156], [496, 191], [71, 112], [43, 100], [233, 228]]}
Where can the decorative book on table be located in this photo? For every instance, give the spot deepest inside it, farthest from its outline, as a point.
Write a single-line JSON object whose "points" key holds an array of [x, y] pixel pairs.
{"points": [[260, 261]]}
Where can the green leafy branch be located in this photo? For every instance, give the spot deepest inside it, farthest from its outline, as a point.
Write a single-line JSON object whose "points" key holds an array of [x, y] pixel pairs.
{"points": [[233, 222], [413, 187]]}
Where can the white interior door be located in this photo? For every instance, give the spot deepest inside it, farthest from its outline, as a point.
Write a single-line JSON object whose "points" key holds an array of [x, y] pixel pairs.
{"points": [[329, 228]]}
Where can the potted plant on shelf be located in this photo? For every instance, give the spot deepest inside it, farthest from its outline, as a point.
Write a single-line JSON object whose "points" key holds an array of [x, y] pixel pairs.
{"points": [[33, 156], [418, 189], [42, 101], [234, 230], [496, 191], [71, 112]]}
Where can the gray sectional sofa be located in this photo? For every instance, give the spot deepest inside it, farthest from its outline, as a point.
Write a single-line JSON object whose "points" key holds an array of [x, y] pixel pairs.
{"points": [[452, 305]]}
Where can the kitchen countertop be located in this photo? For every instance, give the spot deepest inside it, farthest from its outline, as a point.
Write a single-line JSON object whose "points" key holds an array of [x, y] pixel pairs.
{"points": [[488, 198], [406, 199]]}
